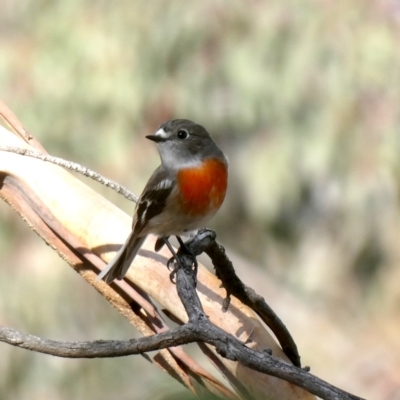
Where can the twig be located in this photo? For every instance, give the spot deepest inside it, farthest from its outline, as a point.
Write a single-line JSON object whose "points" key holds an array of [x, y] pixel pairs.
{"points": [[73, 167]]}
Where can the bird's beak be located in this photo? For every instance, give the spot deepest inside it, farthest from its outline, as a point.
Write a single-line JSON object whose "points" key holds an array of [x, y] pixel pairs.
{"points": [[160, 136], [156, 138]]}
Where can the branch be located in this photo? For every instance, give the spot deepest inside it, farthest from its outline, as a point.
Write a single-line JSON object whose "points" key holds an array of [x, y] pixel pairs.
{"points": [[203, 331], [205, 241], [73, 167], [198, 329], [100, 348], [228, 346]]}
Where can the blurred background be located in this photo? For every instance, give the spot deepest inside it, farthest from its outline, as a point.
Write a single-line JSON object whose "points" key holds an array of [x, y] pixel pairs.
{"points": [[302, 96]]}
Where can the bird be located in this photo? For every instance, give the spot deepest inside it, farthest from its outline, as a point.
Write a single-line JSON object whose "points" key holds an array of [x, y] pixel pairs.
{"points": [[182, 194]]}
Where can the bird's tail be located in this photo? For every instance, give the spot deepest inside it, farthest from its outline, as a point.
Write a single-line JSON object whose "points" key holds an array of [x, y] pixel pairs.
{"points": [[119, 265]]}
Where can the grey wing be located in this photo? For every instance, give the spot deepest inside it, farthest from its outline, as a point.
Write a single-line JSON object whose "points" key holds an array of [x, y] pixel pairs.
{"points": [[153, 199]]}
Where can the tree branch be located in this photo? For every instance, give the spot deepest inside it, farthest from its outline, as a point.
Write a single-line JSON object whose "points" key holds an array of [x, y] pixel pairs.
{"points": [[72, 166], [205, 241], [198, 329], [227, 345]]}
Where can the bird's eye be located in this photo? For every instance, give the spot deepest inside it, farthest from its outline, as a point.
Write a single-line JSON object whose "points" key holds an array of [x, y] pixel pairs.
{"points": [[182, 134]]}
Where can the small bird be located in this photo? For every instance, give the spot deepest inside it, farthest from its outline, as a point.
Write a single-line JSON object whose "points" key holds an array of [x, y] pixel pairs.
{"points": [[183, 193]]}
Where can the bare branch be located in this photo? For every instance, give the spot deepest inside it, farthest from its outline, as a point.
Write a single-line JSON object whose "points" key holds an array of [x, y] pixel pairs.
{"points": [[231, 348], [73, 167], [205, 241], [199, 329], [226, 345]]}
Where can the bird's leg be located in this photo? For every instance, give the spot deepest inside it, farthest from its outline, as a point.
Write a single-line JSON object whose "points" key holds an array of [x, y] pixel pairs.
{"points": [[174, 257], [171, 249], [183, 248], [182, 244]]}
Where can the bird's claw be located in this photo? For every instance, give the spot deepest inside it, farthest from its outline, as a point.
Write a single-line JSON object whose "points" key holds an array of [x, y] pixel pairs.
{"points": [[173, 264], [172, 276], [169, 262], [172, 268]]}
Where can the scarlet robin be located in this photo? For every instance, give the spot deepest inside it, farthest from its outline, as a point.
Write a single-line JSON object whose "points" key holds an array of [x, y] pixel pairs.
{"points": [[183, 193]]}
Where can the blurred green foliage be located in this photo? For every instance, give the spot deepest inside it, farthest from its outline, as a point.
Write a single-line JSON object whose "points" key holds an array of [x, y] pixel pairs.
{"points": [[302, 96]]}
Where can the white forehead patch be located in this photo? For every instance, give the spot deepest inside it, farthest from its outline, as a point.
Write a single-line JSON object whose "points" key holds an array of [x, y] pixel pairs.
{"points": [[162, 133]]}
